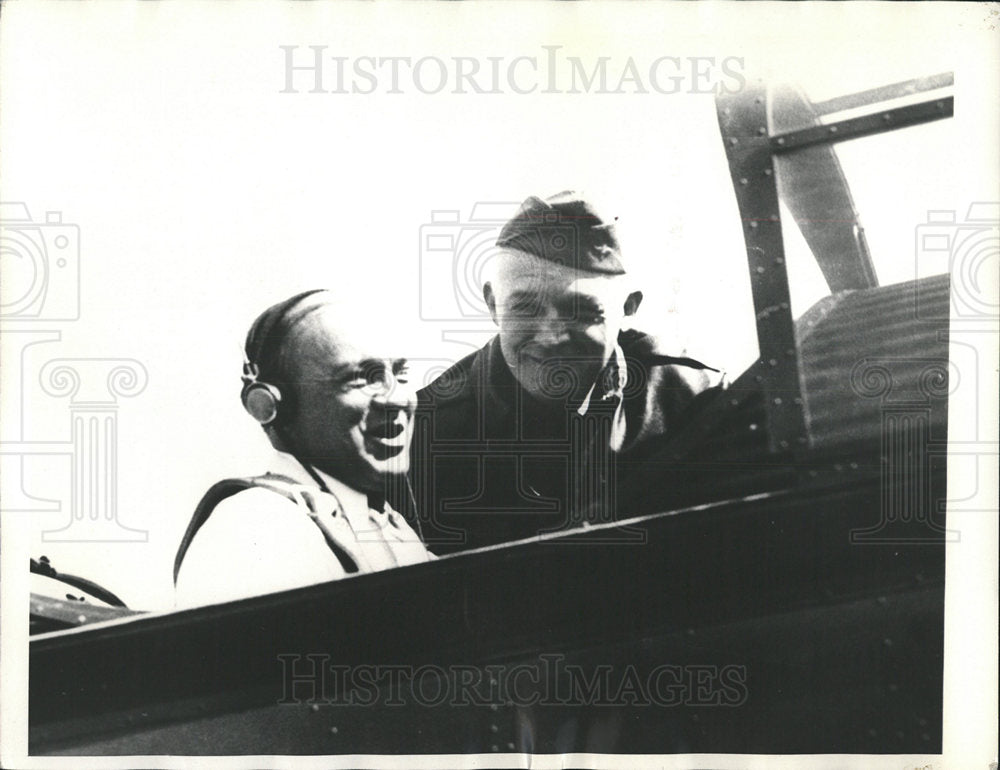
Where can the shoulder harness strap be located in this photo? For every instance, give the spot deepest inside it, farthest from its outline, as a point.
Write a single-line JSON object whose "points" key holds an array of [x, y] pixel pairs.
{"points": [[226, 488]]}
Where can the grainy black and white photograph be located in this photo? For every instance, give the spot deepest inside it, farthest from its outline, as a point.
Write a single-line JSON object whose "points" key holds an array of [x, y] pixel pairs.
{"points": [[483, 385]]}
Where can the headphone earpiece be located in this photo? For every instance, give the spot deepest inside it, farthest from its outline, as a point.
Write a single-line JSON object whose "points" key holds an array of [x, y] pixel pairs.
{"points": [[261, 353], [261, 400]]}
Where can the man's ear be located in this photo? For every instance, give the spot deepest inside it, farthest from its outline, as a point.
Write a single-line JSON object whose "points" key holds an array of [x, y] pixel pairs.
{"points": [[491, 301], [632, 302]]}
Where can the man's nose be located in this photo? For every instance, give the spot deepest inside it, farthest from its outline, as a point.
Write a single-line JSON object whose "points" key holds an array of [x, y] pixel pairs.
{"points": [[391, 393], [551, 330]]}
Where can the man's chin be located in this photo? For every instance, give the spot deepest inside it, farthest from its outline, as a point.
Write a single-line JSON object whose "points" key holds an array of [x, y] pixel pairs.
{"points": [[395, 465], [383, 450], [555, 383], [381, 477]]}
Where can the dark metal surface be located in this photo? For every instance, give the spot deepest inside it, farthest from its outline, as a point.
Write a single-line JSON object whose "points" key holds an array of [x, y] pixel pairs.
{"points": [[875, 366], [50, 614], [771, 585], [869, 351], [865, 125], [743, 123]]}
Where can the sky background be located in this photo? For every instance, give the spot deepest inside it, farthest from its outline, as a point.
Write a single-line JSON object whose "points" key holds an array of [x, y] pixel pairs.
{"points": [[203, 194]]}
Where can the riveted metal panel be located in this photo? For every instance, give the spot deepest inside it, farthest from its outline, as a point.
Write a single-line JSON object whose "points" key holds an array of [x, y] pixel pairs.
{"points": [[743, 123]]}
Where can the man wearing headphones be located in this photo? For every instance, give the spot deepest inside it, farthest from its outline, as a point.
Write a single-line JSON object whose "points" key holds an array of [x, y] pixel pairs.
{"points": [[337, 408]]}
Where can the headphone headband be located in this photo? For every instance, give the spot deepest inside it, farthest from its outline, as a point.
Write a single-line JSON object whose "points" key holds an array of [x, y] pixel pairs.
{"points": [[268, 332], [262, 350]]}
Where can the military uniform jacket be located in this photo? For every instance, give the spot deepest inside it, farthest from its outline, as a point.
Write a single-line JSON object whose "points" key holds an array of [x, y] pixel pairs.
{"points": [[490, 464]]}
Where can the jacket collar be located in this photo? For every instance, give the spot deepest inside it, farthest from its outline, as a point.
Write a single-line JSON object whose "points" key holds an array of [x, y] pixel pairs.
{"points": [[285, 464]]}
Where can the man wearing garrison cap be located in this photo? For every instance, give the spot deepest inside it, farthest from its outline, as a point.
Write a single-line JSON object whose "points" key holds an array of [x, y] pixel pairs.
{"points": [[529, 434], [333, 398]]}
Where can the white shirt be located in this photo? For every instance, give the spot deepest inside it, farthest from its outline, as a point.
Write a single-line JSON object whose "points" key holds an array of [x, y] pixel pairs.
{"points": [[258, 541]]}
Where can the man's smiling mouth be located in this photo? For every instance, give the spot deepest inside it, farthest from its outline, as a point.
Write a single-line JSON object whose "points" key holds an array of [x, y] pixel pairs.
{"points": [[386, 440]]}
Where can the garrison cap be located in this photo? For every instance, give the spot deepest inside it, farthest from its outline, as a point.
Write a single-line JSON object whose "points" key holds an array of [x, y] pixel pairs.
{"points": [[565, 229]]}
